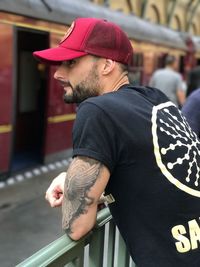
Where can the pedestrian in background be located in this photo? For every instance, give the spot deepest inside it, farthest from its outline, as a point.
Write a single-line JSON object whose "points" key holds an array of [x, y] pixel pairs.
{"points": [[132, 143], [193, 80], [191, 110], [169, 81]]}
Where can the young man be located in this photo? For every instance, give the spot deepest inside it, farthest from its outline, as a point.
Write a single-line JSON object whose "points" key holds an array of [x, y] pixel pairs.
{"points": [[131, 142]]}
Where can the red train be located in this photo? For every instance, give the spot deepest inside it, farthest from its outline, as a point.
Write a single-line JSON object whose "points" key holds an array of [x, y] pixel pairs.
{"points": [[35, 124]]}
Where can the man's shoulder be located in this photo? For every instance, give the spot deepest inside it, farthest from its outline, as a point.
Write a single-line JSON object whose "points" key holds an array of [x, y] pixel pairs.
{"points": [[193, 100], [104, 98], [175, 74], [158, 72], [93, 106], [126, 94], [178, 74], [195, 94]]}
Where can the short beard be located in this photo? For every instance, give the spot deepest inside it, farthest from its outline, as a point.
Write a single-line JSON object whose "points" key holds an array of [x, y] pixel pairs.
{"points": [[87, 88]]}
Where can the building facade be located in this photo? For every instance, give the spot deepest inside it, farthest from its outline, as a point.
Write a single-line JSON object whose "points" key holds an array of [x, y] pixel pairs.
{"points": [[181, 15]]}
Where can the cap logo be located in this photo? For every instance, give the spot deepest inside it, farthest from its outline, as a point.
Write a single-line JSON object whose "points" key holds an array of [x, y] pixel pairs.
{"points": [[67, 34]]}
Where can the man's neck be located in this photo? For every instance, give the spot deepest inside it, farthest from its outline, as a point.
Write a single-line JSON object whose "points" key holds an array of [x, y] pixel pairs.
{"points": [[116, 83]]}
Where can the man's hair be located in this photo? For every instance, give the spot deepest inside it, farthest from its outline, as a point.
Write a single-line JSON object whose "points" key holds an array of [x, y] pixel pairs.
{"points": [[169, 60], [124, 67]]}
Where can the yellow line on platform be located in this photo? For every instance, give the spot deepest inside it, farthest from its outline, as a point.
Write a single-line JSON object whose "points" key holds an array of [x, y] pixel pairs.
{"points": [[62, 118], [5, 128]]}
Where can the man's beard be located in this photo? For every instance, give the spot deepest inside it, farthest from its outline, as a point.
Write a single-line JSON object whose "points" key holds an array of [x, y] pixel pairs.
{"points": [[85, 89]]}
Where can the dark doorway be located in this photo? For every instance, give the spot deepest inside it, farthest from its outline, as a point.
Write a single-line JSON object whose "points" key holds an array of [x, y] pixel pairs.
{"points": [[30, 100]]}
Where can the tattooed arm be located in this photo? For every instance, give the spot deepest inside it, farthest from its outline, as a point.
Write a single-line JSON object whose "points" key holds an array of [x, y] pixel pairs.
{"points": [[85, 181]]}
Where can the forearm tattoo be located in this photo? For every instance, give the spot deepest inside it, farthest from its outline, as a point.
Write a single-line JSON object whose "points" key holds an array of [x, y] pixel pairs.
{"points": [[81, 176]]}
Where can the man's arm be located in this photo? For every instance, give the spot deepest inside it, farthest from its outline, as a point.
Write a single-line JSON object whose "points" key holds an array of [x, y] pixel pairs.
{"points": [[85, 182], [181, 97], [83, 186], [180, 91], [152, 82]]}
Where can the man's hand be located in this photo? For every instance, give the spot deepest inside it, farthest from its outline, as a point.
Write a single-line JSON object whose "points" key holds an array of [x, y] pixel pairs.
{"points": [[54, 194]]}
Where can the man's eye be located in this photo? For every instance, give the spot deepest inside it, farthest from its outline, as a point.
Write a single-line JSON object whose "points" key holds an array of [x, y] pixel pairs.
{"points": [[71, 62]]}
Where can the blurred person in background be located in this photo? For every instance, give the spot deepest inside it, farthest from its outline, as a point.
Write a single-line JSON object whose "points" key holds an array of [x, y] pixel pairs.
{"points": [[191, 110], [169, 81], [193, 80]]}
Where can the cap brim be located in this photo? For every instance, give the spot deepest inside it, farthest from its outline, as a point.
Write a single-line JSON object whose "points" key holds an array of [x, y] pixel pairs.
{"points": [[57, 55]]}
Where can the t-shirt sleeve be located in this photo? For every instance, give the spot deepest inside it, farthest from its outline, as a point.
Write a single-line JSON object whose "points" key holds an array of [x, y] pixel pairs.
{"points": [[94, 135]]}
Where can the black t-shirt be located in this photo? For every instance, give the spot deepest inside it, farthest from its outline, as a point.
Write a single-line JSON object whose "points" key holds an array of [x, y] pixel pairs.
{"points": [[154, 161]]}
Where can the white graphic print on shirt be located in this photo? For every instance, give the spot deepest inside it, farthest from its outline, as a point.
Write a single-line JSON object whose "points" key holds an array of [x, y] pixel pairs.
{"points": [[184, 170]]}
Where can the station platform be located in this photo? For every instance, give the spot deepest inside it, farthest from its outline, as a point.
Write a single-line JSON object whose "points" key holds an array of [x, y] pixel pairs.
{"points": [[27, 221]]}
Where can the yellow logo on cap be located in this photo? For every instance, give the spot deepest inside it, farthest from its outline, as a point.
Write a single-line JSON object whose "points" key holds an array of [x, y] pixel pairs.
{"points": [[69, 31]]}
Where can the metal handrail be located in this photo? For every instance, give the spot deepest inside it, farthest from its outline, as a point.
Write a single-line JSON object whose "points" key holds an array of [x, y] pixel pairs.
{"points": [[63, 245]]}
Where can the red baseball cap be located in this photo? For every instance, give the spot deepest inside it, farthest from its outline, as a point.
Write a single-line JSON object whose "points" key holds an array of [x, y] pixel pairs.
{"points": [[90, 36]]}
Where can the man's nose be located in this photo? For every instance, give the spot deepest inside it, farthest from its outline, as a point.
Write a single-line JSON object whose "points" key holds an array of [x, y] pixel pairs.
{"points": [[60, 73]]}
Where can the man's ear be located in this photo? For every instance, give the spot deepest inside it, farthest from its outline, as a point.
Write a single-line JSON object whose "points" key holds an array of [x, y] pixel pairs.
{"points": [[109, 65]]}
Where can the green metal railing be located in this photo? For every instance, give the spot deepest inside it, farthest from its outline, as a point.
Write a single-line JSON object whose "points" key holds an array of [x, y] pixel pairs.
{"points": [[102, 247]]}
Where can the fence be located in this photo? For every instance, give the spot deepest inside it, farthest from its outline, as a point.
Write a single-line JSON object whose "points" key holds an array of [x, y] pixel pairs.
{"points": [[102, 247]]}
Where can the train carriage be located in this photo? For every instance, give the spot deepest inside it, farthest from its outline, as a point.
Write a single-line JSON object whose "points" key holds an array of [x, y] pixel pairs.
{"points": [[35, 124]]}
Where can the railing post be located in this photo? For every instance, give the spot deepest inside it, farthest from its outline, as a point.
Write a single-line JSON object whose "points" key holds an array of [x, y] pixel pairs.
{"points": [[122, 256], [111, 244], [78, 262], [96, 248]]}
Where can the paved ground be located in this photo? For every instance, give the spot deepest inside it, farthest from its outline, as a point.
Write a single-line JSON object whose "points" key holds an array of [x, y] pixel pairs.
{"points": [[27, 223]]}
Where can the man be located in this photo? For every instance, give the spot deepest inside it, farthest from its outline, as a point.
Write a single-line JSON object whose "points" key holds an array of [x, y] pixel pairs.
{"points": [[191, 110], [169, 81], [193, 80], [130, 142]]}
